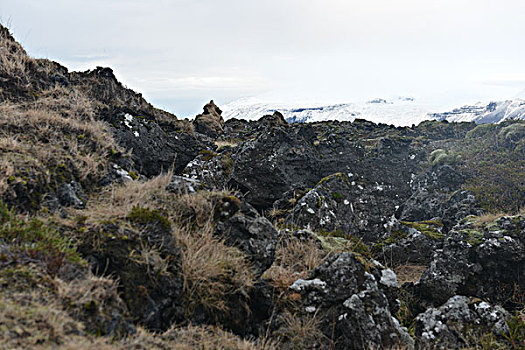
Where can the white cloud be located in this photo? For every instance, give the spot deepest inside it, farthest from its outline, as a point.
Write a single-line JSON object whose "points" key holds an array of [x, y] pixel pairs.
{"points": [[336, 50]]}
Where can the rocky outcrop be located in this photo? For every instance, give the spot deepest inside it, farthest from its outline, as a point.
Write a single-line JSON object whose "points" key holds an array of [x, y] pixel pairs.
{"points": [[275, 119], [409, 242], [346, 204], [347, 294], [478, 259], [458, 321], [154, 149], [241, 226], [437, 195], [210, 122]]}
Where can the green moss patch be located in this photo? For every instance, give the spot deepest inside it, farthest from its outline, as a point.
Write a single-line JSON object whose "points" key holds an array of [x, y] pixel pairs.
{"points": [[431, 229], [145, 216], [34, 240]]}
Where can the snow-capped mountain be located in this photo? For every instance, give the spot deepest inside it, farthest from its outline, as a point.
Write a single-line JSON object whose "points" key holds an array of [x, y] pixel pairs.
{"points": [[400, 111], [493, 112]]}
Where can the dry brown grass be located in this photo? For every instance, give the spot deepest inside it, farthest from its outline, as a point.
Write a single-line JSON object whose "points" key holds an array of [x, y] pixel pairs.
{"points": [[46, 147], [409, 273], [13, 57], [6, 171], [301, 332], [487, 218], [211, 270], [194, 337], [221, 144], [67, 102], [294, 259], [118, 201], [26, 323]]}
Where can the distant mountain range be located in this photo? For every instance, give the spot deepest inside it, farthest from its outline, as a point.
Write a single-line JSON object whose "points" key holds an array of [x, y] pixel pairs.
{"points": [[481, 113], [401, 111]]}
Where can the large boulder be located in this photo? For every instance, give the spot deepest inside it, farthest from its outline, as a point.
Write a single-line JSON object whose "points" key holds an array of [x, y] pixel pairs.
{"points": [[210, 122], [457, 322], [272, 164], [346, 204], [485, 260], [348, 296], [437, 195], [240, 225]]}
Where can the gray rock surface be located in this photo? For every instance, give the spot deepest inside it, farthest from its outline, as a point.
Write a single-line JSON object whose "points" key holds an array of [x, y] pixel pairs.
{"points": [[349, 297], [447, 326]]}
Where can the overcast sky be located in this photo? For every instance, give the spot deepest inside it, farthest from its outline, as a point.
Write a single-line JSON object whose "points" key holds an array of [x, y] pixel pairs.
{"points": [[182, 53]]}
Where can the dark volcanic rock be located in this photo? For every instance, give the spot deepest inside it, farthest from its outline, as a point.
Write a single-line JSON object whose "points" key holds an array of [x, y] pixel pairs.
{"points": [[437, 195], [211, 169], [445, 327], [241, 226], [346, 204], [410, 242], [210, 122], [270, 165], [153, 149], [282, 159], [72, 195], [482, 260], [276, 119], [351, 304]]}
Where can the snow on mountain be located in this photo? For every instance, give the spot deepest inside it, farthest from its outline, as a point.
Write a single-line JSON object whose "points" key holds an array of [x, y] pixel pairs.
{"points": [[401, 111], [481, 113]]}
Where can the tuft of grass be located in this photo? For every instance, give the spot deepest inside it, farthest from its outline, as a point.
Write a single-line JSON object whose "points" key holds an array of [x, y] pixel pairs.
{"points": [[409, 273], [13, 57], [294, 259], [211, 271], [35, 241], [194, 337], [301, 332], [144, 216], [225, 144]]}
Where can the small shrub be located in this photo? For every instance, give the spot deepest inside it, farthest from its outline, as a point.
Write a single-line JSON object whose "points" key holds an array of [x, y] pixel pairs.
{"points": [[34, 240], [211, 271], [145, 216]]}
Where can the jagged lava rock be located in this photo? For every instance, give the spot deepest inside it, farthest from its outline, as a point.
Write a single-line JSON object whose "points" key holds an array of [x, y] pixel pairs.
{"points": [[241, 226], [442, 327], [210, 122], [348, 296], [346, 204], [437, 194], [477, 259]]}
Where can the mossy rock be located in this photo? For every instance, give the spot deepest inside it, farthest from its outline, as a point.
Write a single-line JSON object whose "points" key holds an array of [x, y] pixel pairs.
{"points": [[146, 216], [474, 237], [431, 229], [37, 241], [207, 154]]}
